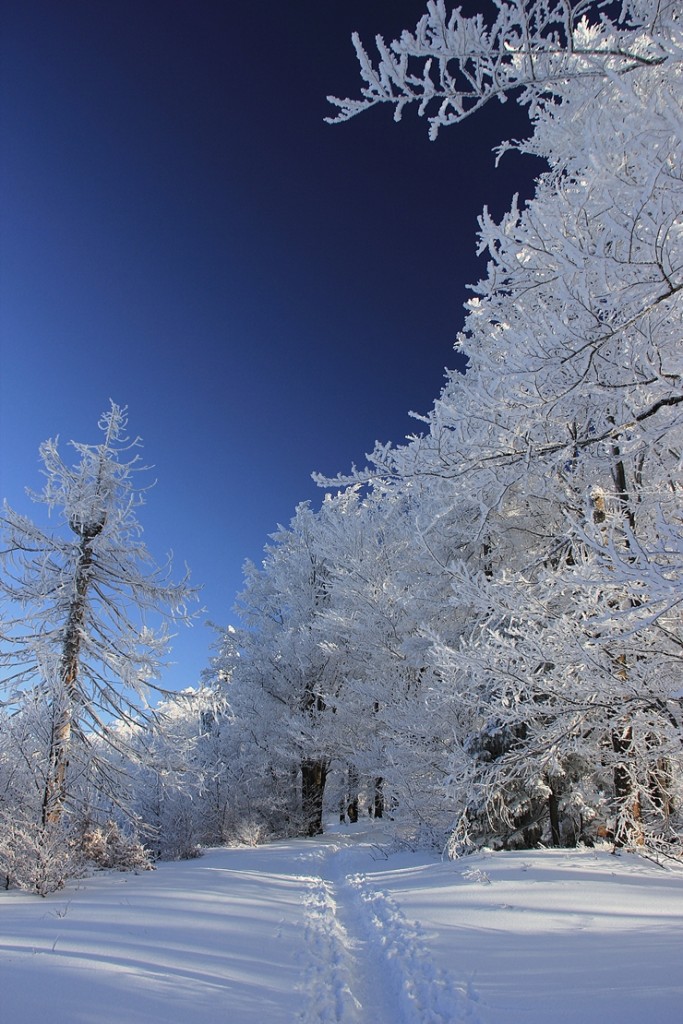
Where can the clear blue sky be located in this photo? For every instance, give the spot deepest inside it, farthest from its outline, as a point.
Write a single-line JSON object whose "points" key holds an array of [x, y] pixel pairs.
{"points": [[181, 232]]}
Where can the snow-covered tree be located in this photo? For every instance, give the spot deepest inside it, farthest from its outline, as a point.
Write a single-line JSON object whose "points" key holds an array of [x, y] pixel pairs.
{"points": [[385, 583], [86, 611], [559, 450], [281, 678], [484, 625]]}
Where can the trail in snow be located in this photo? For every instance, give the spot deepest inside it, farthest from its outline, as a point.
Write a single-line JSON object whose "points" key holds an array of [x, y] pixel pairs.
{"points": [[327, 984], [346, 980], [427, 995], [368, 962]]}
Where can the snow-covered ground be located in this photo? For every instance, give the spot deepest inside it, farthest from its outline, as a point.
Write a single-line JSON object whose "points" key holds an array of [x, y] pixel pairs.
{"points": [[331, 930]]}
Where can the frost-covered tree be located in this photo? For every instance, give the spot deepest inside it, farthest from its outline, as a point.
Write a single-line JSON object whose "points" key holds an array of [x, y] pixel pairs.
{"points": [[385, 583], [178, 779], [331, 702], [282, 678], [86, 611], [485, 624], [559, 450]]}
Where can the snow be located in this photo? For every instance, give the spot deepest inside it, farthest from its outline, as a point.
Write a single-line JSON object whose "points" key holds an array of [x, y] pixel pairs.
{"points": [[334, 930]]}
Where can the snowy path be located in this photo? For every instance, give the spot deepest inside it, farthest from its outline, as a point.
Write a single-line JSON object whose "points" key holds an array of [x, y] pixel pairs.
{"points": [[368, 962], [326, 932], [427, 995], [345, 981]]}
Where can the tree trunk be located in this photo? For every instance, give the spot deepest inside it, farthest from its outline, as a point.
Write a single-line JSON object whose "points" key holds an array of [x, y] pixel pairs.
{"points": [[348, 810], [313, 778], [628, 828], [378, 801], [55, 792], [554, 814], [661, 787]]}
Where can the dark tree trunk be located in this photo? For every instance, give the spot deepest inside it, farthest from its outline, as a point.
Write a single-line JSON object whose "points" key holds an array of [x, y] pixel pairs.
{"points": [[313, 778], [554, 814], [378, 801], [348, 803]]}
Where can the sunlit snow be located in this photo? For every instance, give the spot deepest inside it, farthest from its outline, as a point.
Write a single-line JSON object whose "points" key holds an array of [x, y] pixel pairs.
{"points": [[333, 930]]}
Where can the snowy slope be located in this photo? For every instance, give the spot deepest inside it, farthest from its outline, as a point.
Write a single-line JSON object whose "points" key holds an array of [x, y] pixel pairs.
{"points": [[332, 931]]}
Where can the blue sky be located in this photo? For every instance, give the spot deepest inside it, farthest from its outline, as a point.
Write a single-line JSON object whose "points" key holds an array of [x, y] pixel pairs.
{"points": [[181, 232]]}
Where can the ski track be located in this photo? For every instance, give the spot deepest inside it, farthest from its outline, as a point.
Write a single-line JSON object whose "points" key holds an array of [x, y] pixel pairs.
{"points": [[369, 964]]}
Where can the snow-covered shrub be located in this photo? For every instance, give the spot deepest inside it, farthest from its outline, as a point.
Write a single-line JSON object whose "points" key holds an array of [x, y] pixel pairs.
{"points": [[37, 858], [107, 846]]}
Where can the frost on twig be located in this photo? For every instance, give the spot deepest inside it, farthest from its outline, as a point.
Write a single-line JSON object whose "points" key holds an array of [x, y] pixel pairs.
{"points": [[452, 65]]}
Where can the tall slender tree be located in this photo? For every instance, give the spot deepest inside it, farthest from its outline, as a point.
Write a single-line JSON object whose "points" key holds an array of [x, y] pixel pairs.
{"points": [[86, 610]]}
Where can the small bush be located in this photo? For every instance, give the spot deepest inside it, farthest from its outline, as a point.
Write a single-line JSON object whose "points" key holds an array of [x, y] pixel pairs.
{"points": [[251, 833], [106, 846], [38, 858]]}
